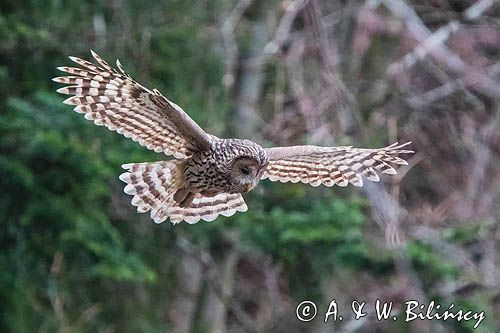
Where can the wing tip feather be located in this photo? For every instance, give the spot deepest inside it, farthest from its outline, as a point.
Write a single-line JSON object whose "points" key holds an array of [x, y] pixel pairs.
{"points": [[70, 101], [125, 177]]}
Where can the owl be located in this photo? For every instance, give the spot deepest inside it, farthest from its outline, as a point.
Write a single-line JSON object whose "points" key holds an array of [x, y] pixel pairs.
{"points": [[207, 175]]}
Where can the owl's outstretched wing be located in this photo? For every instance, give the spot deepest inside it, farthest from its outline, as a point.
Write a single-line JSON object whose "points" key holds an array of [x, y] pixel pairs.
{"points": [[111, 98], [332, 165]]}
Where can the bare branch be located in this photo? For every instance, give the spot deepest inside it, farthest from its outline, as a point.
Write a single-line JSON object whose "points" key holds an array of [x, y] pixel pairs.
{"points": [[213, 277], [477, 9], [437, 49], [427, 46], [285, 26], [230, 44]]}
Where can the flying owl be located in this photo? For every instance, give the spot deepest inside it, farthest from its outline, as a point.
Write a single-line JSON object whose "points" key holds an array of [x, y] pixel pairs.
{"points": [[207, 175]]}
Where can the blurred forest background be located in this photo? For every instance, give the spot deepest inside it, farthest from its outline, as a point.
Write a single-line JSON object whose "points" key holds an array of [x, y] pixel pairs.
{"points": [[76, 257]]}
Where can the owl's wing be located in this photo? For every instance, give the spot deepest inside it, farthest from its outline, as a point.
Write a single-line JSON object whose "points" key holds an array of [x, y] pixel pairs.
{"points": [[331, 165], [153, 186], [208, 208], [111, 98]]}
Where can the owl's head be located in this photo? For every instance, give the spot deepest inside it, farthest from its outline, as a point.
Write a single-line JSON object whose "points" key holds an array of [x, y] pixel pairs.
{"points": [[245, 173]]}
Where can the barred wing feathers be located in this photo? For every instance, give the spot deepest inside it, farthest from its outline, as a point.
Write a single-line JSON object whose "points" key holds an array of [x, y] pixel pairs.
{"points": [[208, 208], [332, 165], [153, 185], [111, 98]]}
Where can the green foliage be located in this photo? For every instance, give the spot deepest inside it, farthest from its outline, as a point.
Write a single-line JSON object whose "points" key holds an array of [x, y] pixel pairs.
{"points": [[59, 179], [430, 264], [336, 223], [57, 221], [311, 240]]}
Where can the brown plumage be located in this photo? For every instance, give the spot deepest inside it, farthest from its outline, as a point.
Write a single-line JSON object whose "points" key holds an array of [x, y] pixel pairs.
{"points": [[207, 175]]}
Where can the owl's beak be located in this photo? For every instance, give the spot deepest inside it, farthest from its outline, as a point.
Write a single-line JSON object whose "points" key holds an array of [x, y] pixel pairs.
{"points": [[248, 186]]}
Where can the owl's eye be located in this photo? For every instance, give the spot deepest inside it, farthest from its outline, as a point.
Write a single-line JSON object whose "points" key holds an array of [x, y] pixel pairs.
{"points": [[245, 171]]}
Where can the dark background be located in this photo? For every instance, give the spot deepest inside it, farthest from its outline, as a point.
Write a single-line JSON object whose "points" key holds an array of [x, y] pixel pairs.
{"points": [[75, 257]]}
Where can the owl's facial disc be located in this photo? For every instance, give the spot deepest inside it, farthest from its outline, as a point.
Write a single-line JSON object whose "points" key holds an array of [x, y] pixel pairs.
{"points": [[244, 174]]}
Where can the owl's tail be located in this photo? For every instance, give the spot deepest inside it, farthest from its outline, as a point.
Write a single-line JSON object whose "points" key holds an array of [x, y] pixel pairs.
{"points": [[154, 185]]}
